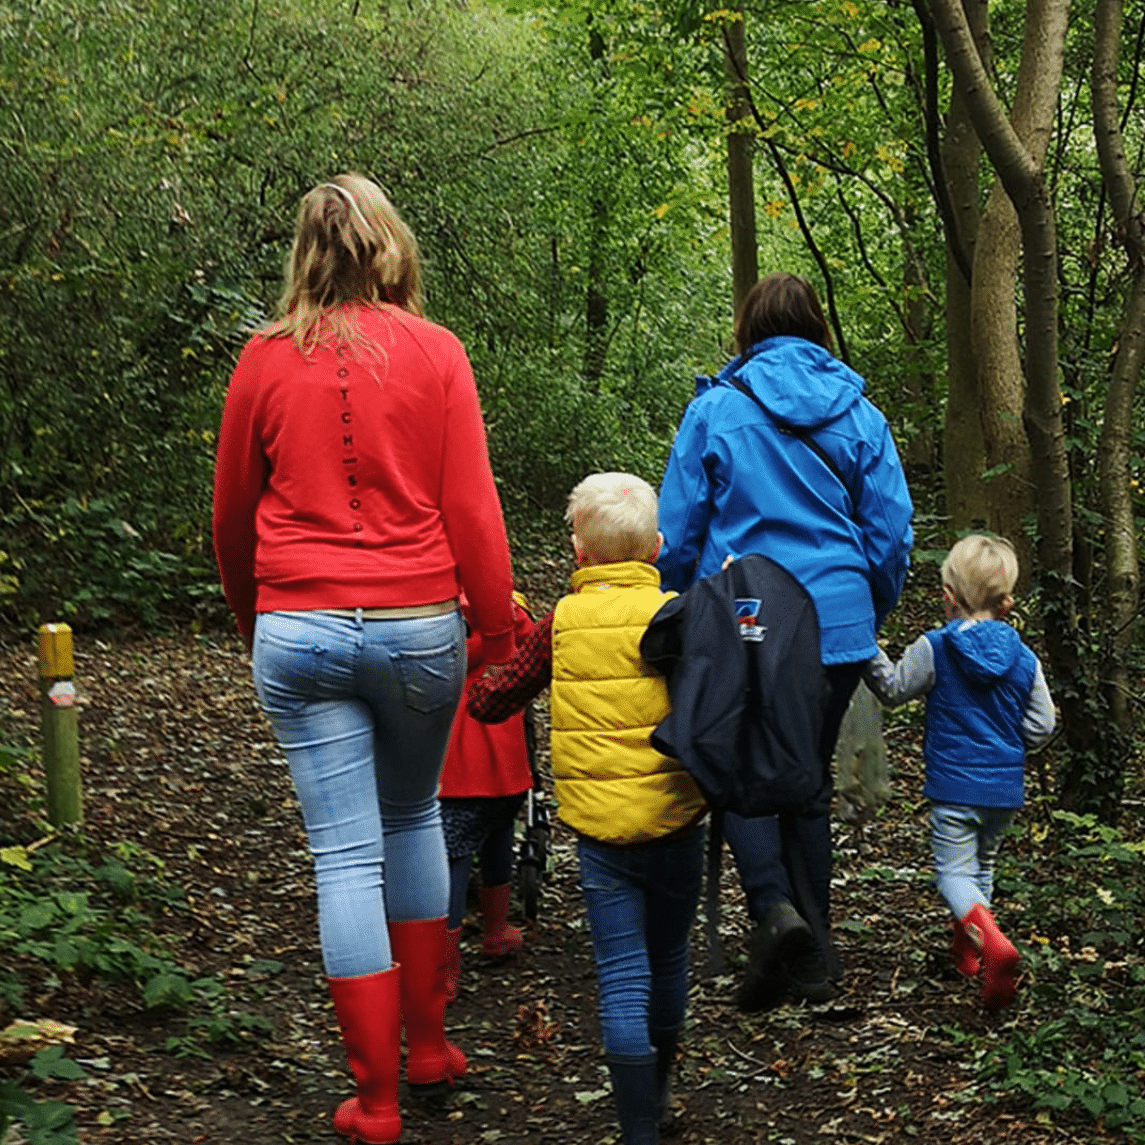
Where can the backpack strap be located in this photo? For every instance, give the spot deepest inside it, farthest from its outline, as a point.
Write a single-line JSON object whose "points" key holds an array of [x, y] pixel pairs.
{"points": [[796, 431], [717, 964]]}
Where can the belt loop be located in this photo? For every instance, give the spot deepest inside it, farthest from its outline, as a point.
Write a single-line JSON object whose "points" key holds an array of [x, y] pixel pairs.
{"points": [[358, 617]]}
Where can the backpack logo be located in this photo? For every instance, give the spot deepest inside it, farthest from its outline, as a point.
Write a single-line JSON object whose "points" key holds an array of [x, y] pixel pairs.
{"points": [[747, 617]]}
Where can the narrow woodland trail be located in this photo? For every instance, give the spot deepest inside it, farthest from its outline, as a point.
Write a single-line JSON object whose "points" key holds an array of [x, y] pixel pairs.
{"points": [[182, 775]]}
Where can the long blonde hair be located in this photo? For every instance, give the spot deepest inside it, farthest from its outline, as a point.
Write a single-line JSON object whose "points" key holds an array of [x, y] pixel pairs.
{"points": [[350, 249]]}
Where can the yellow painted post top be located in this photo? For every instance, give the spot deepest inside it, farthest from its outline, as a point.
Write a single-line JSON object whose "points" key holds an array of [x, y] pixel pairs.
{"points": [[55, 652]]}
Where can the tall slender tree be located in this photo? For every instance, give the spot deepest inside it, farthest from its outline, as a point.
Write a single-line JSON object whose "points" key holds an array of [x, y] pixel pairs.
{"points": [[741, 184], [1115, 460], [1016, 147]]}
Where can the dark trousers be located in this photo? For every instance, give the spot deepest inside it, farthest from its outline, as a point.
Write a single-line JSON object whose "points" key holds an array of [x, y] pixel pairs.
{"points": [[756, 842]]}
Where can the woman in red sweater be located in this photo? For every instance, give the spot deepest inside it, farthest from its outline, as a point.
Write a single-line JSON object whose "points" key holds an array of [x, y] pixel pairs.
{"points": [[353, 503]]}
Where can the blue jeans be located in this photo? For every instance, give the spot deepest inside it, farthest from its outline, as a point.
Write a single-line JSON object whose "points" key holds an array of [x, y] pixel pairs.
{"points": [[641, 902], [966, 842], [362, 710]]}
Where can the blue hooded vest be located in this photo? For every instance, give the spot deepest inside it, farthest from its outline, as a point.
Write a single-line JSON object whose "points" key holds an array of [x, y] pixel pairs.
{"points": [[974, 750]]}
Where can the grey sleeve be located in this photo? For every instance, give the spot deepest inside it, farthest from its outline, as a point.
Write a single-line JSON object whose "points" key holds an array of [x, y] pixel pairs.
{"points": [[1039, 719], [911, 677]]}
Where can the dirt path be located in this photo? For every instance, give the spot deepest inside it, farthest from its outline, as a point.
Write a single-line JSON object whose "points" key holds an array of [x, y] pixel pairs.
{"points": [[179, 764]]}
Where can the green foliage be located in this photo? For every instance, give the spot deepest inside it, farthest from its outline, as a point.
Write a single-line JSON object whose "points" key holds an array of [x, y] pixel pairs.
{"points": [[44, 1122], [100, 931], [87, 562], [146, 203], [78, 912], [1083, 1052], [221, 1024], [16, 785]]}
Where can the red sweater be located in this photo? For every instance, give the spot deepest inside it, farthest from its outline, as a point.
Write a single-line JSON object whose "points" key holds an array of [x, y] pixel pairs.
{"points": [[345, 482]]}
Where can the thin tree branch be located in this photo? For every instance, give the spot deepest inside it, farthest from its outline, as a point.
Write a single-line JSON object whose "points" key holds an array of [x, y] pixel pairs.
{"points": [[954, 243]]}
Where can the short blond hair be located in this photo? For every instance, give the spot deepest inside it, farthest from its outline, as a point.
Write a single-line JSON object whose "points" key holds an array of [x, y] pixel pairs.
{"points": [[981, 571], [614, 517], [350, 248]]}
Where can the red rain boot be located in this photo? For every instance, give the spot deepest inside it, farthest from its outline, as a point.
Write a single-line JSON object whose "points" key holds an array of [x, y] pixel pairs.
{"points": [[369, 1015], [498, 938], [419, 947], [452, 964], [966, 960], [999, 958]]}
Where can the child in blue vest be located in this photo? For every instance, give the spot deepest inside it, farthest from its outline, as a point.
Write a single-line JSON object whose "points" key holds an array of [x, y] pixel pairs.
{"points": [[986, 703], [636, 813]]}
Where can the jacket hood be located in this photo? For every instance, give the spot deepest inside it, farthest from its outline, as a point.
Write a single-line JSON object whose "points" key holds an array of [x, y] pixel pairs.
{"points": [[799, 383], [984, 649]]}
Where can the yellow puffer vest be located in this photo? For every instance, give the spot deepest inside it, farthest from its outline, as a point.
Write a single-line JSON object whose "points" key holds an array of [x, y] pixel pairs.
{"points": [[609, 782]]}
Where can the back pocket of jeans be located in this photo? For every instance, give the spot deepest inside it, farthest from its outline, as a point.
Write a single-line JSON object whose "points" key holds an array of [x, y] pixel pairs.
{"points": [[286, 665], [431, 678]]}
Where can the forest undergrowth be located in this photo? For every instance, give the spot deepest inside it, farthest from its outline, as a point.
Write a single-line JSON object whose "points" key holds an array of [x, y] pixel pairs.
{"points": [[160, 977]]}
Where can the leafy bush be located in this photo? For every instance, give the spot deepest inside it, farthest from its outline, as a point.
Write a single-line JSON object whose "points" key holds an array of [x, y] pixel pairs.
{"points": [[78, 912], [145, 211], [84, 562], [1084, 1052], [45, 1122]]}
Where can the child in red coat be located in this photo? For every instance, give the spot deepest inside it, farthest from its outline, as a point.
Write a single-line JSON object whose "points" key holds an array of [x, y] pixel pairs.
{"points": [[483, 785]]}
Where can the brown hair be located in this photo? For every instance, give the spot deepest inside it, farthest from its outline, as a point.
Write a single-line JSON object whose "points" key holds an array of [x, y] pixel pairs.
{"points": [[350, 248], [781, 303]]}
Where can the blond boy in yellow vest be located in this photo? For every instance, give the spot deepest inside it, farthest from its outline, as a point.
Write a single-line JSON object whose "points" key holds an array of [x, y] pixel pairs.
{"points": [[636, 813]]}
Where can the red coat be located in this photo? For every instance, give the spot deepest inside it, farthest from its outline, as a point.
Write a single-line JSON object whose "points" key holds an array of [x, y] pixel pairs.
{"points": [[487, 759]]}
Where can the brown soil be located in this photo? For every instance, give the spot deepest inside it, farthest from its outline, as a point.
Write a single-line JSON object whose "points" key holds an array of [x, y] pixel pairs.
{"points": [[178, 761]]}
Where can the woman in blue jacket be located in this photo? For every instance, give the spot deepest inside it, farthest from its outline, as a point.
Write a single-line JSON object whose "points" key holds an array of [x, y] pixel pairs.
{"points": [[781, 454]]}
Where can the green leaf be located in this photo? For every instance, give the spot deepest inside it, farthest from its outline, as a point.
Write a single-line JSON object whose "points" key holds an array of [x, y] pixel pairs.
{"points": [[1115, 1093], [167, 989], [16, 857], [52, 1063], [997, 471]]}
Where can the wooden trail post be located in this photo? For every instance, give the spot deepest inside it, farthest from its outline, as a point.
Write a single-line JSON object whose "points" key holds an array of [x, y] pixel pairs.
{"points": [[60, 723]]}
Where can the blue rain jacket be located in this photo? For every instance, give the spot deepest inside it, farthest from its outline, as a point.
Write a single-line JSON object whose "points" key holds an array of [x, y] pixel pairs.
{"points": [[736, 483]]}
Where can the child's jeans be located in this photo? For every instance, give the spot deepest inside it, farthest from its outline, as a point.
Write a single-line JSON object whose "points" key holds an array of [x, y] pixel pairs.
{"points": [[966, 842], [362, 710], [641, 901]]}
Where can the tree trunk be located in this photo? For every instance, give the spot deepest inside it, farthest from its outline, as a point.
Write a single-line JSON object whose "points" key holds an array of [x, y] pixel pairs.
{"points": [[918, 451], [1008, 497], [741, 187], [596, 297], [1122, 575], [1005, 500], [1091, 778], [963, 444]]}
